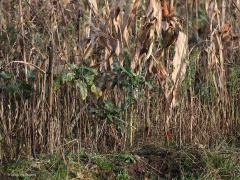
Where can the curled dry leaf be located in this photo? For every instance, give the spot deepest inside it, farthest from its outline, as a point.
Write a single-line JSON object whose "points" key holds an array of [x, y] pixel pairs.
{"points": [[158, 69], [143, 44], [225, 28], [165, 12], [93, 6], [155, 11], [170, 31], [128, 19], [117, 48], [179, 63], [64, 3], [88, 51], [179, 67]]}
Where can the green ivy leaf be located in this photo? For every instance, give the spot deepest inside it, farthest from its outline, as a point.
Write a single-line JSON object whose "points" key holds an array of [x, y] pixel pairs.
{"points": [[6, 75], [83, 89], [96, 91], [89, 79], [24, 86], [68, 76]]}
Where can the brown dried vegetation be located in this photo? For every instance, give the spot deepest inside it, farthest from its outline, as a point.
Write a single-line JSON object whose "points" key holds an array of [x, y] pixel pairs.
{"points": [[162, 91]]}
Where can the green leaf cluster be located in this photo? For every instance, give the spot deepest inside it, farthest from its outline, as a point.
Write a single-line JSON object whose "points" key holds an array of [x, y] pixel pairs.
{"points": [[82, 78]]}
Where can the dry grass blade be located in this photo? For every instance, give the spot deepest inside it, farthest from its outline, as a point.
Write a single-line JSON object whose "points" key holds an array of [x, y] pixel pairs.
{"points": [[93, 5], [22, 62], [179, 66]]}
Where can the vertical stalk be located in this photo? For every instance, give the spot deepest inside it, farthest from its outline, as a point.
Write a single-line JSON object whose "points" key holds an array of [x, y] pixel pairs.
{"points": [[223, 11], [22, 42], [50, 95], [131, 126], [50, 75], [171, 7], [148, 121]]}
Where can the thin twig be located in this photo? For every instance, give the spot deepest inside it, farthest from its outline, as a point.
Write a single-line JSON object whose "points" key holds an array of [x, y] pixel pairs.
{"points": [[23, 48], [236, 6], [26, 63]]}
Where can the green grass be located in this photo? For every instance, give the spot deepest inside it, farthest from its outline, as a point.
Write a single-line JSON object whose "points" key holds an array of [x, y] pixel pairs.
{"points": [[222, 162]]}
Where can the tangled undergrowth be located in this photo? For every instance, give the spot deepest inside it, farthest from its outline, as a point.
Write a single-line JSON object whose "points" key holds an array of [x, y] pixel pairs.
{"points": [[147, 162], [107, 76]]}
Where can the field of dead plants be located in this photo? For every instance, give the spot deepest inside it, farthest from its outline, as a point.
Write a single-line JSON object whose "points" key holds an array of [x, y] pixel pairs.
{"points": [[80, 78]]}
